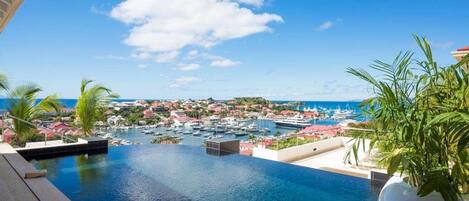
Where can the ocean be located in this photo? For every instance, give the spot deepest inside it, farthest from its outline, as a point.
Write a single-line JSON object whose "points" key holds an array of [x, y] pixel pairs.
{"points": [[329, 105]]}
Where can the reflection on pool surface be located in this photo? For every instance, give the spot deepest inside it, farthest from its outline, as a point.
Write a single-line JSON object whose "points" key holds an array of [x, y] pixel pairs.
{"points": [[179, 172]]}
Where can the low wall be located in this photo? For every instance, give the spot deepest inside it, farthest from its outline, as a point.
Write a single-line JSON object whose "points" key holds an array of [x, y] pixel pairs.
{"points": [[83, 146], [299, 152]]}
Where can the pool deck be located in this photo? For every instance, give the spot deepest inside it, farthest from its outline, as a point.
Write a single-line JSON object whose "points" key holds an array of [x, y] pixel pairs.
{"points": [[332, 161], [15, 187]]}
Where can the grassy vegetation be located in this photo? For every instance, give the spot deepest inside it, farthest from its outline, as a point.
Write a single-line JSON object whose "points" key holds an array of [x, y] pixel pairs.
{"points": [[166, 140], [289, 142], [251, 100]]}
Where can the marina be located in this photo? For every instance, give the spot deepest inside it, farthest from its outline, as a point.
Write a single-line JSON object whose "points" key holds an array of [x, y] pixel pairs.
{"points": [[196, 136]]}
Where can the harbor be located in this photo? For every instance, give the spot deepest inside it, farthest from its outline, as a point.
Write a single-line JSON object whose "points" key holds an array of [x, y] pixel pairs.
{"points": [[229, 128]]}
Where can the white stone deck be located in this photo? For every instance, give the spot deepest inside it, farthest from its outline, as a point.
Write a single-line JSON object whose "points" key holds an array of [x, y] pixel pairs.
{"points": [[333, 161]]}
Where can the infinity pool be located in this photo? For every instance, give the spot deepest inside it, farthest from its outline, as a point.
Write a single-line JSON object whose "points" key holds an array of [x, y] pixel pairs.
{"points": [[179, 172]]}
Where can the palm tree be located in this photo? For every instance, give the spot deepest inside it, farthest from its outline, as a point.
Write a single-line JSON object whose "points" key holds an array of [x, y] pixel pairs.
{"points": [[421, 121], [3, 82], [24, 107], [90, 103]]}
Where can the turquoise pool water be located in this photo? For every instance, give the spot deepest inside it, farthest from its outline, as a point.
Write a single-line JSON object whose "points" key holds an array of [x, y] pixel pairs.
{"points": [[179, 172]]}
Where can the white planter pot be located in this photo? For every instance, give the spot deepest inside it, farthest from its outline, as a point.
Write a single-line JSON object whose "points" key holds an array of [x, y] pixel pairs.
{"points": [[397, 189]]}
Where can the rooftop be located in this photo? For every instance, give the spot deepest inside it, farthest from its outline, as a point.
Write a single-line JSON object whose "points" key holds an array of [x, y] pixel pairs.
{"points": [[466, 48]]}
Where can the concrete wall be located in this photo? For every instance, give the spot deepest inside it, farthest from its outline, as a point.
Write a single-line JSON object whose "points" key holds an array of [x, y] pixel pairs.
{"points": [[299, 152]]}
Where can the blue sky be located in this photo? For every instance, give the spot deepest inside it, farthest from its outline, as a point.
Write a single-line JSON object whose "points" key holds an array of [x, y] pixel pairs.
{"points": [[279, 49]]}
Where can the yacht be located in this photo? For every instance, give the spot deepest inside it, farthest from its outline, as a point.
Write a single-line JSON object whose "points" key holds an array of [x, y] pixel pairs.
{"points": [[252, 128], [297, 121], [148, 131], [241, 133], [342, 114], [197, 133]]}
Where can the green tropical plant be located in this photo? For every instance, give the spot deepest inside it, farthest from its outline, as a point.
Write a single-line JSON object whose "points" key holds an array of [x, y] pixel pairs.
{"points": [[420, 115], [89, 104], [252, 138], [166, 140], [289, 142], [24, 107]]}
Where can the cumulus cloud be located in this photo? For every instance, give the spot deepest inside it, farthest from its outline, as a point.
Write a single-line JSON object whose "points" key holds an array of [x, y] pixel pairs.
{"points": [[166, 57], [257, 3], [223, 63], [188, 67], [193, 53], [160, 27], [183, 81]]}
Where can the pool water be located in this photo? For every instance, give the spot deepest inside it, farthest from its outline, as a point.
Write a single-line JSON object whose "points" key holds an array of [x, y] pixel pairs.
{"points": [[180, 172]]}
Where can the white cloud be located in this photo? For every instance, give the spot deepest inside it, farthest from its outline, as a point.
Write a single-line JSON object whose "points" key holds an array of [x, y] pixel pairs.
{"points": [[141, 55], [183, 81], [166, 57], [94, 9], [161, 26], [325, 26], [257, 3], [188, 67], [328, 24], [223, 63], [193, 53]]}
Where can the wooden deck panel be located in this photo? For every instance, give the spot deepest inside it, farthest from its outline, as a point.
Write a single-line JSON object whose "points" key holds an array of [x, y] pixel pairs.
{"points": [[13, 185]]}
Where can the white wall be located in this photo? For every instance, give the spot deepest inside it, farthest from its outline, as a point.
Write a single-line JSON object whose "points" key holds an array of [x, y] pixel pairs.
{"points": [[299, 152]]}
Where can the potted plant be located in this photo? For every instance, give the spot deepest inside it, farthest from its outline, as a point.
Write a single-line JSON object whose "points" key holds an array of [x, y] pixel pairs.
{"points": [[420, 115]]}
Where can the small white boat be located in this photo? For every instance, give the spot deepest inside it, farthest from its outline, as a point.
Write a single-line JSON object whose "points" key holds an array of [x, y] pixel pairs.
{"points": [[148, 131], [158, 134], [196, 133], [241, 134], [252, 128], [108, 136]]}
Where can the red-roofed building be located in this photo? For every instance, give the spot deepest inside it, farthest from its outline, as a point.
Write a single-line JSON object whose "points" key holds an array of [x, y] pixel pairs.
{"points": [[148, 114], [246, 148], [287, 112], [310, 114], [460, 53], [46, 131], [317, 130], [464, 48], [59, 125]]}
